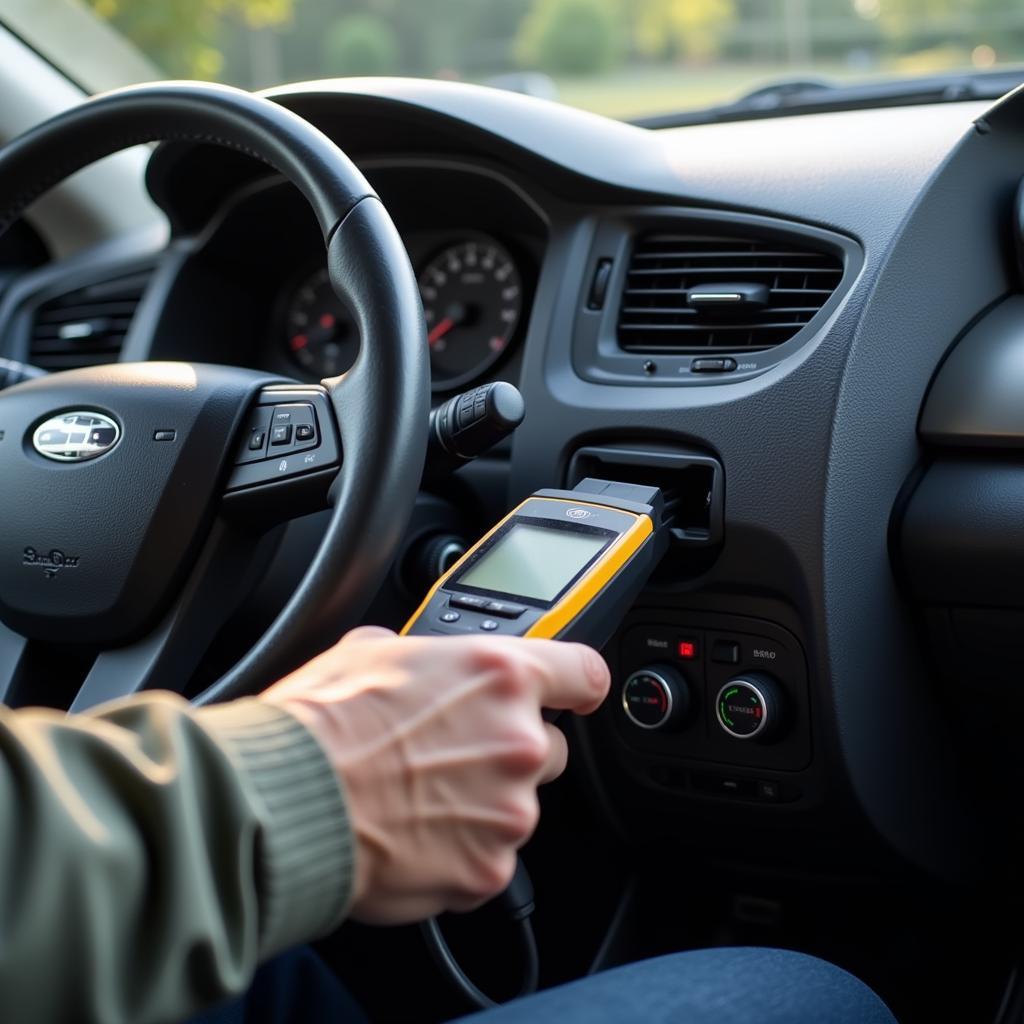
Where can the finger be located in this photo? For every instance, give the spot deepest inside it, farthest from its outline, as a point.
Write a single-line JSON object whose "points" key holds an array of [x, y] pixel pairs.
{"points": [[558, 755], [361, 634], [572, 677]]}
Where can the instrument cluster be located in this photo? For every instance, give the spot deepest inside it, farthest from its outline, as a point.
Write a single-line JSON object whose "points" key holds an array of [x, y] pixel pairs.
{"points": [[472, 288]]}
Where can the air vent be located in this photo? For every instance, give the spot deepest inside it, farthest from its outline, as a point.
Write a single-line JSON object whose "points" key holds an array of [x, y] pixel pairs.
{"points": [[693, 294], [87, 326]]}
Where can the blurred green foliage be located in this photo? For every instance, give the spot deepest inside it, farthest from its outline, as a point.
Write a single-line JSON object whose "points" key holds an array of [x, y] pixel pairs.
{"points": [[255, 43], [182, 36], [574, 37], [360, 44], [694, 29]]}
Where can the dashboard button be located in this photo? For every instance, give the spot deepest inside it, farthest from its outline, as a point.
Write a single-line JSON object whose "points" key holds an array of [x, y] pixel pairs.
{"points": [[712, 365], [726, 652], [599, 285], [724, 785]]}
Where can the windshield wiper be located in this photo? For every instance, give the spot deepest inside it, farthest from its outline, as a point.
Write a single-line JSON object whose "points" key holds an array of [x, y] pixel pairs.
{"points": [[813, 96]]}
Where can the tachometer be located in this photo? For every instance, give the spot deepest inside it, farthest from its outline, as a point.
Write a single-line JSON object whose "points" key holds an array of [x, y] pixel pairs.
{"points": [[320, 335], [472, 298]]}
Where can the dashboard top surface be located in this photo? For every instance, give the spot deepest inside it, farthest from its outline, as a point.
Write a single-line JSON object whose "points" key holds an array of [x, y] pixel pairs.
{"points": [[800, 166]]}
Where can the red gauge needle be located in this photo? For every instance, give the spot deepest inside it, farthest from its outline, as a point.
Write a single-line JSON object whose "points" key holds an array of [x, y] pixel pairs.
{"points": [[441, 328]]}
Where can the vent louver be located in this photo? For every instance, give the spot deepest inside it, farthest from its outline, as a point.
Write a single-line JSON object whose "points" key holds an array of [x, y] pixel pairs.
{"points": [[87, 326], [694, 294]]}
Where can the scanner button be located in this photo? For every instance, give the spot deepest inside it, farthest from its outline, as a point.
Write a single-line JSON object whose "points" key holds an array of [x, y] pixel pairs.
{"points": [[451, 617], [468, 601], [490, 625], [505, 609]]}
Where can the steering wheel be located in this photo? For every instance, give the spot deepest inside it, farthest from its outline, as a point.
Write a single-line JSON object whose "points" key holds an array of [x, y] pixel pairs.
{"points": [[135, 496]]}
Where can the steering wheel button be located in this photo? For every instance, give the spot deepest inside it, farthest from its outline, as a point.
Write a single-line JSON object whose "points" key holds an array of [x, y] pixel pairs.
{"points": [[257, 439], [304, 432], [281, 435]]}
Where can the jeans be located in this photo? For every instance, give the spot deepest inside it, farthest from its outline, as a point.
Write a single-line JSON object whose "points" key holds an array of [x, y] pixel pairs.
{"points": [[710, 986]]}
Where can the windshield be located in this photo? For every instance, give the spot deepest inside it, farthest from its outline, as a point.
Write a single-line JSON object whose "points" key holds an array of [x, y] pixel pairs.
{"points": [[622, 58]]}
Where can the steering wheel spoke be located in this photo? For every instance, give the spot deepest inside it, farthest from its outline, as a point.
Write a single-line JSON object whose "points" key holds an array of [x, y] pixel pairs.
{"points": [[167, 656], [12, 648]]}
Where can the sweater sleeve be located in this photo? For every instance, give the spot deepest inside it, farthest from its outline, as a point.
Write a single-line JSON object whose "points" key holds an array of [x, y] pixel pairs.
{"points": [[153, 854]]}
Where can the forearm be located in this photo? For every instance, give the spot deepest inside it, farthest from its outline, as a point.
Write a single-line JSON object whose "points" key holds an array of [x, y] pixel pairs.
{"points": [[153, 855]]}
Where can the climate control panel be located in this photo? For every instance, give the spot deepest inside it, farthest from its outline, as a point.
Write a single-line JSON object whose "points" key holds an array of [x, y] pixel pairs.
{"points": [[711, 704]]}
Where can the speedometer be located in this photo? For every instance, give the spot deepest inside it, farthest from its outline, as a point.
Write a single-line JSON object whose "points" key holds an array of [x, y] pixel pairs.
{"points": [[320, 334], [472, 299]]}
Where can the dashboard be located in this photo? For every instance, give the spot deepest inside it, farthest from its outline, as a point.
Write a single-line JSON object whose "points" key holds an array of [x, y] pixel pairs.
{"points": [[749, 315], [476, 246]]}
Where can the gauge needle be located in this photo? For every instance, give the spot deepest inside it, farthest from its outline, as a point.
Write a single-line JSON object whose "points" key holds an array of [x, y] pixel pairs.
{"points": [[441, 328]]}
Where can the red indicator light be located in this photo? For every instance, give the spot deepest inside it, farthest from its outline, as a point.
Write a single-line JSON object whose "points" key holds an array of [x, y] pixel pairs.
{"points": [[327, 320], [300, 341], [687, 649]]}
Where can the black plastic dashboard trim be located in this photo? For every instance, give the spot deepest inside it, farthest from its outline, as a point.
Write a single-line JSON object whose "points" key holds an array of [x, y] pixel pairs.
{"points": [[975, 400]]}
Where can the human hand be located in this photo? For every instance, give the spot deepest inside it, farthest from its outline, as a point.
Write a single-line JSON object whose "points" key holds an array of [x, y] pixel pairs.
{"points": [[440, 746]]}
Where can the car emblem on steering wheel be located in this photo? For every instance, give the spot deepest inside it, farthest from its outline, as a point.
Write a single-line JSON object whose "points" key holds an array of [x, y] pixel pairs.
{"points": [[75, 436]]}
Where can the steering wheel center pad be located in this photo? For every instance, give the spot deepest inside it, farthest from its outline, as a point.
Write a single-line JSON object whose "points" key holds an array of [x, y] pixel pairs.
{"points": [[90, 550]]}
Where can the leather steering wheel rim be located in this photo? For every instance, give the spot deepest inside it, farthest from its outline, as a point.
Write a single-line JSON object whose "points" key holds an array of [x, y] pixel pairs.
{"points": [[381, 404]]}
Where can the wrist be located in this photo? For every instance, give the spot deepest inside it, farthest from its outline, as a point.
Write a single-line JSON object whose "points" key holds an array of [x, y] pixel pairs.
{"points": [[328, 733], [304, 853]]}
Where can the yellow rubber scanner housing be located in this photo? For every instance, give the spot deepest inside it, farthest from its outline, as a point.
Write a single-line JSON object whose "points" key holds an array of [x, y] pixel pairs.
{"points": [[586, 589]]}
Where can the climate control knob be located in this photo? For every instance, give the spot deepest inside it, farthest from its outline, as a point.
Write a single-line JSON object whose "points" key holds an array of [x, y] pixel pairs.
{"points": [[656, 697], [750, 706]]}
